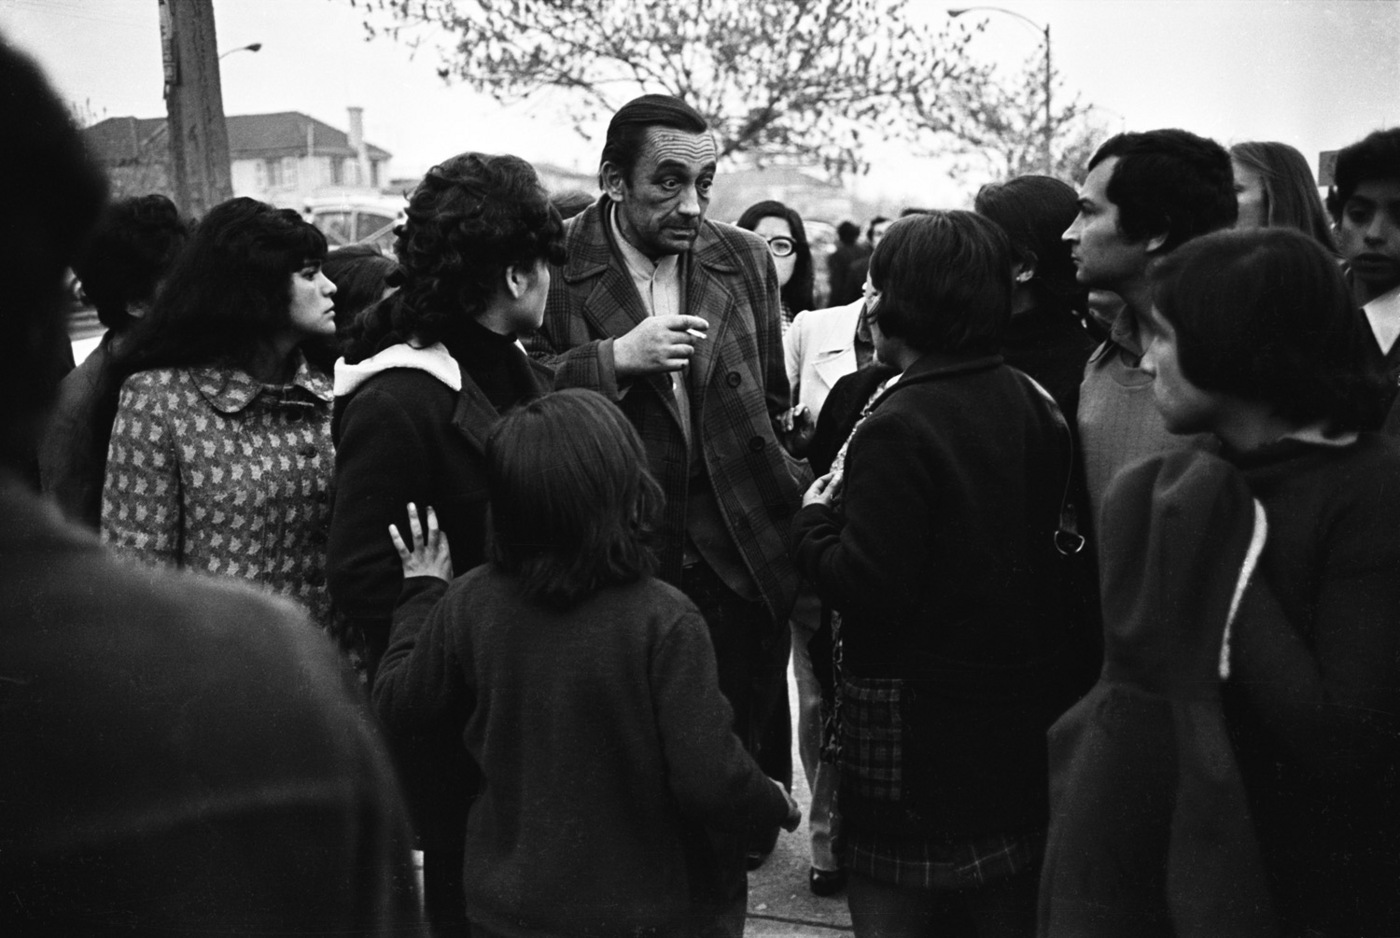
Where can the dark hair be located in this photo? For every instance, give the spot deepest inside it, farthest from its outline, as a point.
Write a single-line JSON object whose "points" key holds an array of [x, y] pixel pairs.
{"points": [[228, 293], [1290, 189], [573, 506], [627, 131], [55, 196], [945, 282], [1169, 182], [470, 218], [847, 232], [1376, 156], [870, 229], [1034, 211], [797, 292], [1264, 314], [128, 253], [358, 272]]}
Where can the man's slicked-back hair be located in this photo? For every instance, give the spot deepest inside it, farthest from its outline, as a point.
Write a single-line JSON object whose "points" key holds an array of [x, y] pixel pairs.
{"points": [[573, 506], [1169, 182], [1376, 156], [55, 196], [945, 282], [1265, 315], [627, 131]]}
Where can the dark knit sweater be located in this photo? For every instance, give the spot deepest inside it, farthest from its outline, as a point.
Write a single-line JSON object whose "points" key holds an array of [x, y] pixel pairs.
{"points": [[1313, 703], [604, 746]]}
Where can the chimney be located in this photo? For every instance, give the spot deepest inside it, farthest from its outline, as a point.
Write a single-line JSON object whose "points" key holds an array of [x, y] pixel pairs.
{"points": [[357, 143]]}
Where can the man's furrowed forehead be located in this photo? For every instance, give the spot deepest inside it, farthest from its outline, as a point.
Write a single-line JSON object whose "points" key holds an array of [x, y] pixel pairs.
{"points": [[668, 146], [1094, 189]]}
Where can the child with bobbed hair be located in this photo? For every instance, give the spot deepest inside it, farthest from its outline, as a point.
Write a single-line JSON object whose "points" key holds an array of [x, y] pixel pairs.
{"points": [[583, 688], [1237, 767]]}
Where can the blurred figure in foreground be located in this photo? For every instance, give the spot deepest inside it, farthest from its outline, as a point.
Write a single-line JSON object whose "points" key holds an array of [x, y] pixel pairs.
{"points": [[181, 757], [1240, 757], [120, 267]]}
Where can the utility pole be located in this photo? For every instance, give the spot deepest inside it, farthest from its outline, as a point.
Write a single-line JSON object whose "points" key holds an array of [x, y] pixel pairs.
{"points": [[194, 105]]}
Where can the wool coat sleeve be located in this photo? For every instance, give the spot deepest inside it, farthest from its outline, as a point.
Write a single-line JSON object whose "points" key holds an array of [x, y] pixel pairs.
{"points": [[141, 508], [711, 776], [874, 555], [420, 679], [382, 463], [1328, 690]]}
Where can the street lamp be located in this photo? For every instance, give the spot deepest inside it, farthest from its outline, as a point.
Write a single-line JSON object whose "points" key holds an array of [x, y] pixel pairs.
{"points": [[1049, 124], [250, 47]]}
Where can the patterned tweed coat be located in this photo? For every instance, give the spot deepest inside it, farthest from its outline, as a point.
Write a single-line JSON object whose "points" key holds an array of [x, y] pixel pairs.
{"points": [[209, 470], [737, 383]]}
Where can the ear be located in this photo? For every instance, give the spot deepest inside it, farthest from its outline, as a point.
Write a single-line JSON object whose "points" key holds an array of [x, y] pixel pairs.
{"points": [[518, 280], [613, 180], [1024, 268], [1153, 245]]}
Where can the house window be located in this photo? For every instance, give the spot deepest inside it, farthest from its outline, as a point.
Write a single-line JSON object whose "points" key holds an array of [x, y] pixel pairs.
{"points": [[260, 175], [337, 171], [273, 174], [289, 172], [374, 174]]}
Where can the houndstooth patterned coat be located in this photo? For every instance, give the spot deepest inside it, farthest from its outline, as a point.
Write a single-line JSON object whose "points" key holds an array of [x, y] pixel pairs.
{"points": [[737, 384], [209, 470]]}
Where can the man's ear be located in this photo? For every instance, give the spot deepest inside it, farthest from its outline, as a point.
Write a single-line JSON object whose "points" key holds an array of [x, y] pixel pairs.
{"points": [[613, 180]]}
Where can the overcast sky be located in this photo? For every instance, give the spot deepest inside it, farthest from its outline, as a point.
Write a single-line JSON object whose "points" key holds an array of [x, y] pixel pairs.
{"points": [[1314, 73]]}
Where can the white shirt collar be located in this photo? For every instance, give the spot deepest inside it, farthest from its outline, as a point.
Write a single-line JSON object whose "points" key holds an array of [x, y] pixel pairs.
{"points": [[1384, 315], [658, 282]]}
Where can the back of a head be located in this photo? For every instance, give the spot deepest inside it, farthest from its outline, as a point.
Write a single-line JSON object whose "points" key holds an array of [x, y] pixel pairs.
{"points": [[1376, 156], [358, 272], [627, 131], [58, 195], [573, 504], [129, 252], [229, 291], [1290, 189], [945, 282], [470, 218], [847, 232], [1034, 211], [1169, 182], [1265, 314]]}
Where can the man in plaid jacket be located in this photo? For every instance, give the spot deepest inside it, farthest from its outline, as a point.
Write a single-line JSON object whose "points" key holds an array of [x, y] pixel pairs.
{"points": [[676, 320]]}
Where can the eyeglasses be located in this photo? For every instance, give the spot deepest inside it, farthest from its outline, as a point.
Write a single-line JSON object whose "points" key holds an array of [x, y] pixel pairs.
{"points": [[781, 247]]}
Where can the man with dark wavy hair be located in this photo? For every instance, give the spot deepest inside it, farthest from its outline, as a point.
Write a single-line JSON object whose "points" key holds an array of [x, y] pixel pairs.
{"points": [[675, 318], [1146, 194], [180, 756]]}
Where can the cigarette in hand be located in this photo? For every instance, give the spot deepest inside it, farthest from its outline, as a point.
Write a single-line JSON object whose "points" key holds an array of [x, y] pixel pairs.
{"points": [[696, 332]]}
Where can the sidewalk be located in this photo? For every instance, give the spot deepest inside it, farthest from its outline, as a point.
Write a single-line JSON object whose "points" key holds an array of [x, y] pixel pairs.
{"points": [[780, 904]]}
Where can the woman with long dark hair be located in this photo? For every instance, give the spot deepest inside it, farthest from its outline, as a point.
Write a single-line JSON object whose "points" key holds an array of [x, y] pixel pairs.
{"points": [[426, 374], [220, 455]]}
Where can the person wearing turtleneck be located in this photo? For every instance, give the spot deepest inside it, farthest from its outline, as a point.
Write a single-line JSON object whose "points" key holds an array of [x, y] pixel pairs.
{"points": [[426, 374]]}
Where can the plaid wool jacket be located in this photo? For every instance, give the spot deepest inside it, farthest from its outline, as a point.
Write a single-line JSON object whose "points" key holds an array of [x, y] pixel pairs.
{"points": [[736, 380]]}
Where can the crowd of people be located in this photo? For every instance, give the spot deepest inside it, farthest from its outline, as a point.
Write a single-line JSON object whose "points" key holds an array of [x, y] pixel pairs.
{"points": [[1077, 515]]}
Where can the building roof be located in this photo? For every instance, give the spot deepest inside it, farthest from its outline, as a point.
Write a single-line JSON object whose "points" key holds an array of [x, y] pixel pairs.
{"points": [[250, 136]]}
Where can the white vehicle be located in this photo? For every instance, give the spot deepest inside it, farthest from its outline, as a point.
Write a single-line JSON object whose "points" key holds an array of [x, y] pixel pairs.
{"points": [[366, 219]]}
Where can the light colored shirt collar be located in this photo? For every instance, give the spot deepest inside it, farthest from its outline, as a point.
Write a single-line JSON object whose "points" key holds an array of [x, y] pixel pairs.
{"points": [[658, 282], [1384, 315]]}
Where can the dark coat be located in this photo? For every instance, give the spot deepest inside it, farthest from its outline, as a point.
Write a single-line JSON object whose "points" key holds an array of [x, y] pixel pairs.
{"points": [[181, 755], [737, 385], [943, 567]]}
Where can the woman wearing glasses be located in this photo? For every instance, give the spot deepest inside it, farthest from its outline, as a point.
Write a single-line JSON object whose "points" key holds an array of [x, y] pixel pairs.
{"points": [[782, 228]]}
